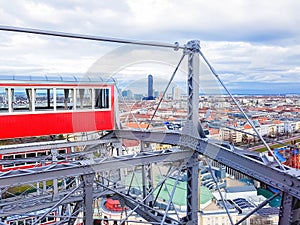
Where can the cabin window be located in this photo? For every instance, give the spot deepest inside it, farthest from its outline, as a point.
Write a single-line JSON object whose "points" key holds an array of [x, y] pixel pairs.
{"points": [[62, 151], [83, 98], [64, 99], [22, 99], [41, 154], [21, 222], [102, 98], [44, 99], [8, 157], [31, 155], [3, 99], [19, 157]]}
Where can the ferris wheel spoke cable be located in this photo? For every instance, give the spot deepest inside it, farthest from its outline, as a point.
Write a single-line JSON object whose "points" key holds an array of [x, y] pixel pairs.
{"points": [[241, 110], [174, 46]]}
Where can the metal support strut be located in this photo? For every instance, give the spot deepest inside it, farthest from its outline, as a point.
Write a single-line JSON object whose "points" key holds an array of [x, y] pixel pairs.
{"points": [[193, 128], [289, 210], [147, 180], [88, 198], [192, 190]]}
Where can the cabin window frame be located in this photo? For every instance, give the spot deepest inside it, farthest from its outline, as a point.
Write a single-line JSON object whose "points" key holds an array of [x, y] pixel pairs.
{"points": [[103, 93]]}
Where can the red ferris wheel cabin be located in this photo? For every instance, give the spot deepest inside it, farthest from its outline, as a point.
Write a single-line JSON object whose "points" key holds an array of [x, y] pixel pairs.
{"points": [[48, 105]]}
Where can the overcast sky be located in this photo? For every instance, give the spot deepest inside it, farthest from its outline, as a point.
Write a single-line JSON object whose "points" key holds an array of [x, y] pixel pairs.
{"points": [[253, 44]]}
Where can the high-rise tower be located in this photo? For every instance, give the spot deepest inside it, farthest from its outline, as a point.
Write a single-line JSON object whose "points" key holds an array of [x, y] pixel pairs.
{"points": [[176, 93], [150, 87]]}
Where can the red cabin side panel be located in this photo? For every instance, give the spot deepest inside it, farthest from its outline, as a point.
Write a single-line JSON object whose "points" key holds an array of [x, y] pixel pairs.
{"points": [[40, 124]]}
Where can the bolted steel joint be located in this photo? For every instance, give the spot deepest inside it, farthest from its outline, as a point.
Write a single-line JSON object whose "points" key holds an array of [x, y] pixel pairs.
{"points": [[193, 46], [176, 46]]}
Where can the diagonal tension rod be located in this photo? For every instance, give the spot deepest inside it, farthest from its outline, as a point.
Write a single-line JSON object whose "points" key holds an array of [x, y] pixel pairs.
{"points": [[175, 46], [165, 91], [241, 110]]}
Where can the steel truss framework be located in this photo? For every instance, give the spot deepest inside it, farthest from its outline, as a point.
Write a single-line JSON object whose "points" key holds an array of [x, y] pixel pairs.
{"points": [[89, 186], [253, 165], [84, 176], [84, 182]]}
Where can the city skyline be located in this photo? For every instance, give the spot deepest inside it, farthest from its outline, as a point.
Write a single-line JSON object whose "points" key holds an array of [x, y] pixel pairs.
{"points": [[236, 88], [245, 41]]}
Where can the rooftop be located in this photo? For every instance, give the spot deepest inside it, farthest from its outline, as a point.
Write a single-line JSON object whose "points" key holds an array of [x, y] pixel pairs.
{"points": [[217, 207], [240, 189], [180, 192], [268, 211], [84, 78]]}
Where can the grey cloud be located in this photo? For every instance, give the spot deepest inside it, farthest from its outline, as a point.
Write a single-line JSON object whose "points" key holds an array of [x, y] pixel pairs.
{"points": [[244, 40]]}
